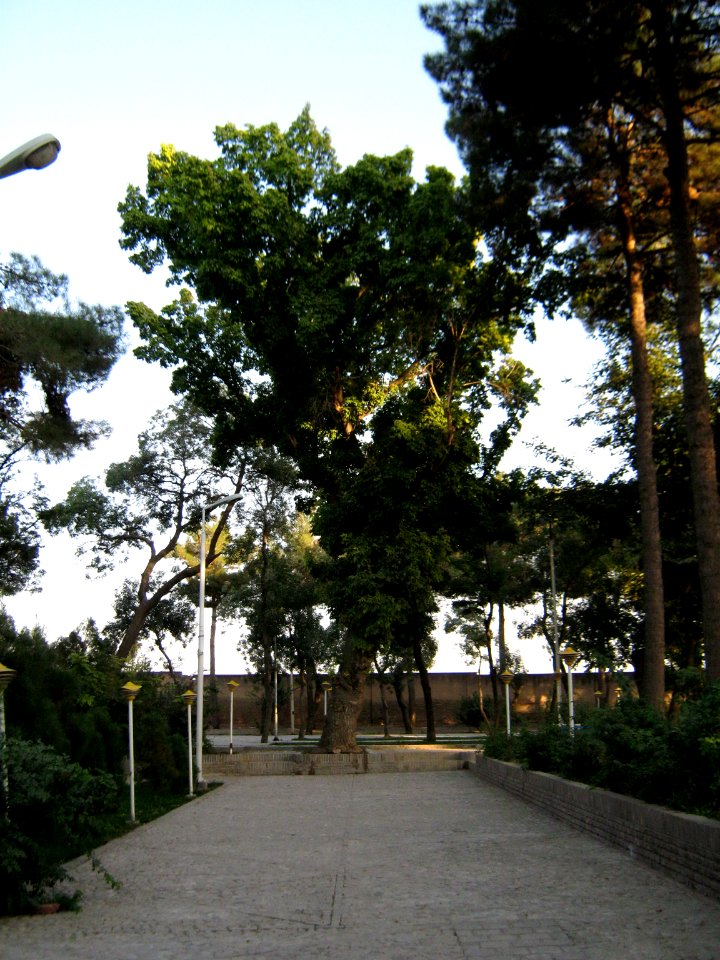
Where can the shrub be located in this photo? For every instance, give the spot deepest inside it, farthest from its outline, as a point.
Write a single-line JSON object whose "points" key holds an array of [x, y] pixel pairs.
{"points": [[54, 811], [468, 712], [695, 741], [632, 749]]}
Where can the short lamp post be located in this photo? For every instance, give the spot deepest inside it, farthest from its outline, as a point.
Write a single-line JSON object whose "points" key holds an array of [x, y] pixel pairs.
{"points": [[189, 698], [507, 678], [232, 687], [292, 702], [570, 657], [276, 738], [326, 685], [6, 676], [130, 691], [598, 697], [33, 155]]}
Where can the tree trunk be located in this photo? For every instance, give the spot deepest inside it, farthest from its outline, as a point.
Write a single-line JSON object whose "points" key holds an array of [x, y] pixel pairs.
{"points": [[382, 683], [346, 697], [652, 680], [267, 682], [430, 734], [213, 699], [385, 711], [412, 709], [314, 686], [696, 397], [398, 682], [502, 646], [481, 698], [494, 682], [302, 684]]}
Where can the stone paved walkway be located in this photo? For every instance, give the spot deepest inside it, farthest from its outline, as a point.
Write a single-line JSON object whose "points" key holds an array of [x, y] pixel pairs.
{"points": [[429, 866]]}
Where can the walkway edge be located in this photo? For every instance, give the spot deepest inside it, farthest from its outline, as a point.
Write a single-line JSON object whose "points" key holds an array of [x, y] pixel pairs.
{"points": [[296, 762], [683, 845]]}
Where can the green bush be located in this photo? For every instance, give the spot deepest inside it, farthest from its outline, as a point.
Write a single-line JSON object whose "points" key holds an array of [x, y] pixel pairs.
{"points": [[499, 746], [160, 735], [54, 810], [468, 712], [631, 749], [548, 749], [695, 740], [67, 716]]}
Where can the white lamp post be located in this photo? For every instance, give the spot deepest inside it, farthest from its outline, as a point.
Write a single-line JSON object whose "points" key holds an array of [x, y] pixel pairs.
{"points": [[292, 702], [570, 657], [232, 686], [506, 678], [326, 685], [276, 738], [201, 641], [6, 676], [33, 155], [130, 691], [189, 697], [556, 641]]}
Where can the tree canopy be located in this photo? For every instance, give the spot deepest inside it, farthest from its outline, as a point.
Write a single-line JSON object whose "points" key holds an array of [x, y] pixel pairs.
{"points": [[320, 298], [49, 349]]}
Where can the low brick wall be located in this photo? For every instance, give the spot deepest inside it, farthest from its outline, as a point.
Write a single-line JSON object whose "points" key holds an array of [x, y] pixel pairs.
{"points": [[250, 763], [683, 845]]}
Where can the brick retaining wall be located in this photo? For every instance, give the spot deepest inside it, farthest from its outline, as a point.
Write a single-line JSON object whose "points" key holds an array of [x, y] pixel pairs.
{"points": [[296, 762], [683, 845]]}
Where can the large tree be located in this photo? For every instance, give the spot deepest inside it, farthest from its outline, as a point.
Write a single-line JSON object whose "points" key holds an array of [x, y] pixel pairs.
{"points": [[322, 294], [607, 93]]}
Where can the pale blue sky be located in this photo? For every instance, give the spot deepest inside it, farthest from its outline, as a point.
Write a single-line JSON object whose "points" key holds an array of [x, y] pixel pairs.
{"points": [[115, 80]]}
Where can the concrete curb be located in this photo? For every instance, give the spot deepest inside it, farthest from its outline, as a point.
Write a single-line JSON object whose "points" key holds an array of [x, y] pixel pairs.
{"points": [[260, 763], [685, 846]]}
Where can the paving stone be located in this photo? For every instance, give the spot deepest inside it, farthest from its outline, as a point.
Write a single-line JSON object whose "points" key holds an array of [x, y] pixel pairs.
{"points": [[428, 866]]}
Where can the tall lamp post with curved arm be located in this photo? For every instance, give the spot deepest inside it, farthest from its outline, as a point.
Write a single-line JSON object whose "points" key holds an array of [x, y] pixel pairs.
{"points": [[36, 154], [206, 508]]}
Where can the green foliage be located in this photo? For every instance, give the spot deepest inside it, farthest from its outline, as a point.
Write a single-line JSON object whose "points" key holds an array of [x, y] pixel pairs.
{"points": [[634, 750], [48, 351], [46, 343], [468, 713], [19, 544], [381, 335], [695, 741], [54, 810], [160, 735], [63, 694], [68, 742], [499, 746]]}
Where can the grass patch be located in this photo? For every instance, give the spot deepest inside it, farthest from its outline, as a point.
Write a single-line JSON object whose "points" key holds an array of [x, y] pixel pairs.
{"points": [[150, 804]]}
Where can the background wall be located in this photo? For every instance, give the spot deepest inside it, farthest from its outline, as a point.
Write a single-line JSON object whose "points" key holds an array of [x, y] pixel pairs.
{"points": [[449, 690]]}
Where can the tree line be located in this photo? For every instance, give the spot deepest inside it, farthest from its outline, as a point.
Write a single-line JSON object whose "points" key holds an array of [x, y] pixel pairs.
{"points": [[342, 339]]}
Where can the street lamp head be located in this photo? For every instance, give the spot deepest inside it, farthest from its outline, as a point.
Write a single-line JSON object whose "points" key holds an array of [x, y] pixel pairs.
{"points": [[569, 657], [6, 676], [233, 684], [189, 697], [130, 690], [36, 154], [506, 677]]}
